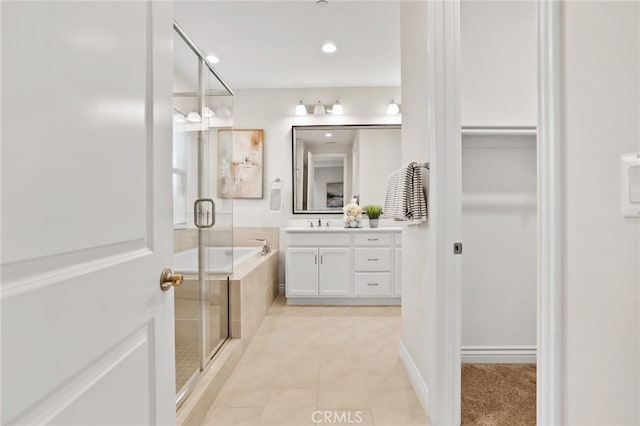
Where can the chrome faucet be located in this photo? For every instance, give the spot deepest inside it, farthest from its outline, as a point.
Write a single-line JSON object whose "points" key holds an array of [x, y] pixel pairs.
{"points": [[310, 224], [319, 223], [265, 245]]}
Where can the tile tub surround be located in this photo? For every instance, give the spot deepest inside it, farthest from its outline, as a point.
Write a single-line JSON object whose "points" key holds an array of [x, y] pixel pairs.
{"points": [[320, 358], [185, 239], [252, 289]]}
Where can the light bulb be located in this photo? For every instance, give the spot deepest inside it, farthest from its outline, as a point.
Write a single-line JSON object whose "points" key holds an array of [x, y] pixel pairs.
{"points": [[207, 112], [329, 47], [178, 117], [319, 109], [223, 111], [337, 109], [393, 108], [193, 117], [301, 109]]}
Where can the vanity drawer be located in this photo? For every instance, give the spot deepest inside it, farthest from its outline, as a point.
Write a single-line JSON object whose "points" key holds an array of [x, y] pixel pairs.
{"points": [[372, 284], [319, 238], [372, 259], [373, 239]]}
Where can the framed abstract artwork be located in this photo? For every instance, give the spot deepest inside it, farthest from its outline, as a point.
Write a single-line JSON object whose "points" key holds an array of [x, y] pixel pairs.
{"points": [[240, 163]]}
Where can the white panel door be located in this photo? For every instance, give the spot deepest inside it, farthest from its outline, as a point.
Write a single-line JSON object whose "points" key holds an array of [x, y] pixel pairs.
{"points": [[302, 272], [335, 272], [87, 334]]}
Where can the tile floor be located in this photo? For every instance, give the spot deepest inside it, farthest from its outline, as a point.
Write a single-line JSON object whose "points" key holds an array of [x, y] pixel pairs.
{"points": [[340, 361]]}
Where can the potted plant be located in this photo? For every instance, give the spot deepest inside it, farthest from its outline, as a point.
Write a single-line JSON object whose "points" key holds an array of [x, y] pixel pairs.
{"points": [[373, 212]]}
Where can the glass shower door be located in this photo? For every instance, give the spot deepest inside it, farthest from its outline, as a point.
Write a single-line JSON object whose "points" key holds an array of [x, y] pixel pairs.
{"points": [[218, 107], [185, 147], [203, 237]]}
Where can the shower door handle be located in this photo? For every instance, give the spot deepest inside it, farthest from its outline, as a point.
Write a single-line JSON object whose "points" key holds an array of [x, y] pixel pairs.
{"points": [[198, 212]]}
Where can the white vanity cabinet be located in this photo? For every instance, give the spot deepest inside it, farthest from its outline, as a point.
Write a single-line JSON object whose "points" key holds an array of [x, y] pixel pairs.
{"points": [[336, 266], [318, 271]]}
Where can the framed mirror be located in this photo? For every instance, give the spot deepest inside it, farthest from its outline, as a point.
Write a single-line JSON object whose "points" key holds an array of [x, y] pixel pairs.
{"points": [[333, 164]]}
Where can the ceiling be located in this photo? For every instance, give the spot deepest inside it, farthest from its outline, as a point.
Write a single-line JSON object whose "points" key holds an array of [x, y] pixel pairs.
{"points": [[277, 44]]}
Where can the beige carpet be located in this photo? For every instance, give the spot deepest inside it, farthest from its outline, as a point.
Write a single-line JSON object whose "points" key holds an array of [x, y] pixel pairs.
{"points": [[498, 394]]}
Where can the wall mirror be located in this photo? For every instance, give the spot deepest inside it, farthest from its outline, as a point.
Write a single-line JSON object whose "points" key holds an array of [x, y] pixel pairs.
{"points": [[332, 164]]}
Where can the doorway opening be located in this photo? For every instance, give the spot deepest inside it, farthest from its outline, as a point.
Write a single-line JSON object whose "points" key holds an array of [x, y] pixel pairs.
{"points": [[499, 276]]}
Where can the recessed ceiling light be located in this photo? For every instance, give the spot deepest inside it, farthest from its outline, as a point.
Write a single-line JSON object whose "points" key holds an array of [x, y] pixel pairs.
{"points": [[328, 135], [213, 59], [329, 47]]}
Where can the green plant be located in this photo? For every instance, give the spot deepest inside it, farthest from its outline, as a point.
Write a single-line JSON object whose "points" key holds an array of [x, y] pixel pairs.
{"points": [[373, 211]]}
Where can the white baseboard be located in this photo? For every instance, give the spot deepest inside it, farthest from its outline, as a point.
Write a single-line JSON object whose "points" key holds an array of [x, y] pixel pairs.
{"points": [[416, 379], [499, 354]]}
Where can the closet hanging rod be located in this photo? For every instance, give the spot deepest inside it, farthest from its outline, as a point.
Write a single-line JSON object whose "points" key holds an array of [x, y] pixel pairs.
{"points": [[499, 130], [423, 165]]}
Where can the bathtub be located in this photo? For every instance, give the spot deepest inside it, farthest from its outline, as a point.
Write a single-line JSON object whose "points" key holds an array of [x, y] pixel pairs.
{"points": [[218, 260]]}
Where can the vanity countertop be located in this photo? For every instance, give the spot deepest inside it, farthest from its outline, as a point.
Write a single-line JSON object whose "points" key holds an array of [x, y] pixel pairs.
{"points": [[337, 229]]}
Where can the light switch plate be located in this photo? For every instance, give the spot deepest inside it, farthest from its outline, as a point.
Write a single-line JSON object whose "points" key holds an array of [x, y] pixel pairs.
{"points": [[630, 184]]}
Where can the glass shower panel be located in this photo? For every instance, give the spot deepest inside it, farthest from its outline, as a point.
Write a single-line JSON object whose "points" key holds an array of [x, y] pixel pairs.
{"points": [[219, 107], [203, 231], [185, 144]]}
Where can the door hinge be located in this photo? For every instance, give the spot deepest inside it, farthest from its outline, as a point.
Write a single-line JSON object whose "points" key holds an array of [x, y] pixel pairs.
{"points": [[457, 248]]}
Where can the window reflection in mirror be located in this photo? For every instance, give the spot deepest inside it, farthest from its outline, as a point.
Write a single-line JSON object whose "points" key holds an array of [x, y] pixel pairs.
{"points": [[332, 164]]}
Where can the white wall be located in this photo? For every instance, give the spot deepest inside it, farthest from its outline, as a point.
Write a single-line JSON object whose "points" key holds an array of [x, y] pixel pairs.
{"points": [[499, 234], [417, 262], [498, 78], [273, 111], [601, 95], [379, 156], [498, 74]]}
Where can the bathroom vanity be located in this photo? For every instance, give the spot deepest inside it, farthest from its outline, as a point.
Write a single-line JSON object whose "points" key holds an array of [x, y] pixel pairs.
{"points": [[343, 266]]}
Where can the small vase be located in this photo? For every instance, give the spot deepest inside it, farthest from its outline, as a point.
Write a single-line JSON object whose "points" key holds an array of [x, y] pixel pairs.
{"points": [[373, 223], [353, 224]]}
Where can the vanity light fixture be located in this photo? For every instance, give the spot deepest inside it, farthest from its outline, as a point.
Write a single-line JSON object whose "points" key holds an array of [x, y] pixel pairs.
{"points": [[329, 47], [337, 109], [319, 109], [393, 108], [207, 112], [328, 135], [194, 117], [301, 109], [322, 3], [213, 59], [178, 117], [223, 111]]}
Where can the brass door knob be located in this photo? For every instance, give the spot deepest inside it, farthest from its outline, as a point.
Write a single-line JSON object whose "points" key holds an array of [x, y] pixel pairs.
{"points": [[168, 279]]}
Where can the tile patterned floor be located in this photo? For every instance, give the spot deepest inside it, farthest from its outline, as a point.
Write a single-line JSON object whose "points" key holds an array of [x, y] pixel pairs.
{"points": [[187, 363], [339, 362]]}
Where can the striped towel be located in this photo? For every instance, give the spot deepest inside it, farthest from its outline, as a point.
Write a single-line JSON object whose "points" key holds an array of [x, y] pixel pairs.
{"points": [[405, 199]]}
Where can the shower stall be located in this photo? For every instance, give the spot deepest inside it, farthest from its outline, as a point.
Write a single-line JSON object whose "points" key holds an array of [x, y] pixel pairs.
{"points": [[202, 220]]}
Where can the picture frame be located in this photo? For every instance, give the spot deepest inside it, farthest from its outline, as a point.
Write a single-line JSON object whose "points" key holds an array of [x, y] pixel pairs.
{"points": [[240, 163]]}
